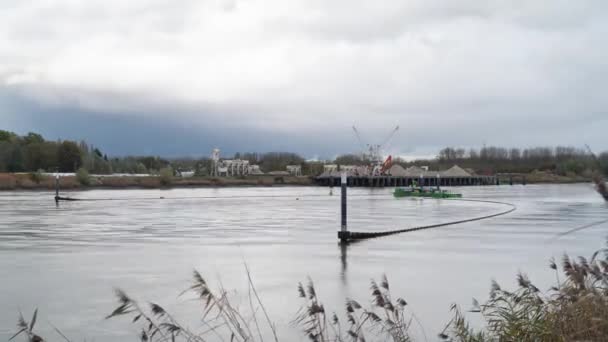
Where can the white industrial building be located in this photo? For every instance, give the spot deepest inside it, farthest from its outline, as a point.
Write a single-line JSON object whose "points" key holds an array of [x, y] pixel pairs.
{"points": [[232, 167], [294, 170]]}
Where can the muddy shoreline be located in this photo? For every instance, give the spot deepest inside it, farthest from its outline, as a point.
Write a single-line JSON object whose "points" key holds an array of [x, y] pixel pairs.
{"points": [[9, 181], [25, 181]]}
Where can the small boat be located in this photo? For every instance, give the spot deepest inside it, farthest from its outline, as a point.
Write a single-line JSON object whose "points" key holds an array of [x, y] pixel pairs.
{"points": [[428, 193]]}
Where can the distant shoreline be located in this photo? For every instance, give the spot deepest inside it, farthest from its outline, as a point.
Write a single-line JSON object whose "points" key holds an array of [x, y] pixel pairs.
{"points": [[24, 181]]}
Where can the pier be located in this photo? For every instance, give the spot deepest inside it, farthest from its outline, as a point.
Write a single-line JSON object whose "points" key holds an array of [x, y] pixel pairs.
{"points": [[398, 176], [511, 178], [392, 181]]}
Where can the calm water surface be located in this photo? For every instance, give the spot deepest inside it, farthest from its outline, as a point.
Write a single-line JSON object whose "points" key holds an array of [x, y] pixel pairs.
{"points": [[66, 260]]}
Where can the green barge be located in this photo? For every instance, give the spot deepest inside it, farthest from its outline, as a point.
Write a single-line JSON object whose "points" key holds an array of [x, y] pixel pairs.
{"points": [[428, 193]]}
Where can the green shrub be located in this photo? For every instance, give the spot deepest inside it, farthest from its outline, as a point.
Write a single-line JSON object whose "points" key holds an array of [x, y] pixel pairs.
{"points": [[82, 176], [141, 168], [37, 176], [166, 176]]}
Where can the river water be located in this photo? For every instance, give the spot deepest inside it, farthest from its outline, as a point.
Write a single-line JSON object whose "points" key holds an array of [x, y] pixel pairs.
{"points": [[67, 259]]}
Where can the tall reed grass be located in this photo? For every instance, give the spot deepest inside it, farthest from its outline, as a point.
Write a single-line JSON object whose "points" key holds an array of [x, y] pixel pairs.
{"points": [[574, 309]]}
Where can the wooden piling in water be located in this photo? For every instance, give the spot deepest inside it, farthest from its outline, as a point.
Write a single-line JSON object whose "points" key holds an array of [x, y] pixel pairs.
{"points": [[343, 234], [56, 188]]}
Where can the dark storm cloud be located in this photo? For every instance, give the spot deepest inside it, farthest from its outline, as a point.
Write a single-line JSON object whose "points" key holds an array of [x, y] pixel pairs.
{"points": [[295, 75], [150, 133]]}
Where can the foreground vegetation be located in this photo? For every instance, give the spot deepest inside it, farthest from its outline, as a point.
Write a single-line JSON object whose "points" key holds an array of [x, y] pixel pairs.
{"points": [[574, 309]]}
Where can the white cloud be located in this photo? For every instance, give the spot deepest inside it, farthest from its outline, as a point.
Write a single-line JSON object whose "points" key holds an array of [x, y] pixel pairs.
{"points": [[289, 65]]}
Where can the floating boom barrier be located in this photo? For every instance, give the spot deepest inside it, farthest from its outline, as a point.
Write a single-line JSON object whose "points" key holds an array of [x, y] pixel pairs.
{"points": [[346, 236]]}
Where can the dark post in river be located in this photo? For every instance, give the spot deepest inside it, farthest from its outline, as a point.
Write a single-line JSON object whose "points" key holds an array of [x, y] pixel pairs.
{"points": [[343, 234], [56, 187]]}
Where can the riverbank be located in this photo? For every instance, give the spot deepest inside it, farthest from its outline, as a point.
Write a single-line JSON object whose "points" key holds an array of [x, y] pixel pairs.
{"points": [[34, 181], [24, 181]]}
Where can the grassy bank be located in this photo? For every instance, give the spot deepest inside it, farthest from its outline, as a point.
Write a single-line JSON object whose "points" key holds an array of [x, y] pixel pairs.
{"points": [[34, 181]]}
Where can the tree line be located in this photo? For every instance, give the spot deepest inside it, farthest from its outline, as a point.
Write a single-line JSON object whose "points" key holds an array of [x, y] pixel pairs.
{"points": [[489, 160], [32, 153], [561, 160]]}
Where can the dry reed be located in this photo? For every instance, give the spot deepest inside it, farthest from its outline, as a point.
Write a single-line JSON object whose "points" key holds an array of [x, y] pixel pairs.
{"points": [[575, 309]]}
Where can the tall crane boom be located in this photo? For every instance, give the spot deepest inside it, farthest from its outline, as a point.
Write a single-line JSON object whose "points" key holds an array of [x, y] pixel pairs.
{"points": [[372, 153], [359, 137], [390, 136]]}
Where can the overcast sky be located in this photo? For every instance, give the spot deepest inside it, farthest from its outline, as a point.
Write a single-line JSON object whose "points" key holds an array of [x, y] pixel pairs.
{"points": [[178, 78]]}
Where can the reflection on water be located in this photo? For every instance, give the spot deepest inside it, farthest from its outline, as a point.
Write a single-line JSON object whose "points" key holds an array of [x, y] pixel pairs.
{"points": [[344, 260], [66, 259]]}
